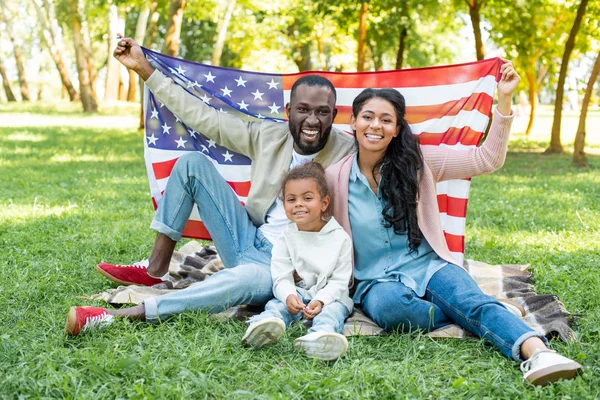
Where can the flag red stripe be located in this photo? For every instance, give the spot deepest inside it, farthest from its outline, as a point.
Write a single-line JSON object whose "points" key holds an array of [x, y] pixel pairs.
{"points": [[465, 136], [453, 206], [481, 102], [418, 77], [195, 230], [241, 188], [163, 169], [455, 243]]}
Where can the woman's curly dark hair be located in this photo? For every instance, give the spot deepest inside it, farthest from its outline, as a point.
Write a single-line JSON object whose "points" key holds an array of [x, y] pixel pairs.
{"points": [[399, 169]]}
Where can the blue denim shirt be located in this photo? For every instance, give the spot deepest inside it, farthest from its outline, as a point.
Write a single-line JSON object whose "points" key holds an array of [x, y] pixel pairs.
{"points": [[380, 255]]}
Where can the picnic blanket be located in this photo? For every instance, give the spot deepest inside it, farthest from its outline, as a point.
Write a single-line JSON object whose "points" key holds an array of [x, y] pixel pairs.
{"points": [[195, 262]]}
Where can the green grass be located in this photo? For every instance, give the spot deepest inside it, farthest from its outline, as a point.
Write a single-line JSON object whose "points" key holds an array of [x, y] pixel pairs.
{"points": [[73, 192]]}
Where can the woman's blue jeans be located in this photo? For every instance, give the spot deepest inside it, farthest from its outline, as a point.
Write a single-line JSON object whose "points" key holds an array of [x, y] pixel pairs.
{"points": [[452, 297], [245, 252]]}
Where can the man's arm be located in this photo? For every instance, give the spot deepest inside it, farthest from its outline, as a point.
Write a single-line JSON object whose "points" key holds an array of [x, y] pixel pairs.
{"points": [[226, 130]]}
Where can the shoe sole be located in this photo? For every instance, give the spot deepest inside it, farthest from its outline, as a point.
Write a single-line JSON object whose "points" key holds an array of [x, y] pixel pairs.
{"points": [[554, 373], [328, 347], [116, 280], [264, 334], [71, 321]]}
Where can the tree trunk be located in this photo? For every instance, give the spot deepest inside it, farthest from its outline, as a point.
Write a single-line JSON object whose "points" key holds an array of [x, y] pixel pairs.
{"points": [[87, 47], [140, 29], [149, 38], [302, 58], [49, 30], [555, 144], [17, 51], [401, 47], [362, 36], [530, 74], [579, 156], [222, 29], [88, 100], [474, 12], [171, 45], [10, 96], [320, 49], [113, 70]]}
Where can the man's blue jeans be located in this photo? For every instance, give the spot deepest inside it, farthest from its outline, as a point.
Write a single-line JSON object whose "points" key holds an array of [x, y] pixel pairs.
{"points": [[452, 297], [245, 252], [330, 319]]}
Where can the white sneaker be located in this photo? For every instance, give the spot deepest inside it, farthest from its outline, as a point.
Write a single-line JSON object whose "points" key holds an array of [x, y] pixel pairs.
{"points": [[322, 345], [264, 332], [546, 366]]}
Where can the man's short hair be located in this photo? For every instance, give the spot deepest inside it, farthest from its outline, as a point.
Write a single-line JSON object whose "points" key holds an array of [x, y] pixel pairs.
{"points": [[314, 80]]}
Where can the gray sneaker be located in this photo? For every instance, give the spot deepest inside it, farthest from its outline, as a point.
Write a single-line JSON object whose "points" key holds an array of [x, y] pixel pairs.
{"points": [[546, 366], [264, 332], [322, 345]]}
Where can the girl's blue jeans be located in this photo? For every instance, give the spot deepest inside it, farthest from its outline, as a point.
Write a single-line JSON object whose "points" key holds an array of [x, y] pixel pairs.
{"points": [[245, 252], [330, 319], [452, 297]]}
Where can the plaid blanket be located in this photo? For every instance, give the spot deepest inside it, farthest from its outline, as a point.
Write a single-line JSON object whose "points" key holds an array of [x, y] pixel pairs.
{"points": [[509, 283]]}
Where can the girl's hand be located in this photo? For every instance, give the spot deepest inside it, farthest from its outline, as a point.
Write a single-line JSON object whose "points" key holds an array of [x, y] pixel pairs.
{"points": [[294, 304], [313, 309]]}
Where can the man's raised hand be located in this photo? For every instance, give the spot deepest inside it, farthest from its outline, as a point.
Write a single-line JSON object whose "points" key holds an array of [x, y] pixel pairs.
{"points": [[130, 54]]}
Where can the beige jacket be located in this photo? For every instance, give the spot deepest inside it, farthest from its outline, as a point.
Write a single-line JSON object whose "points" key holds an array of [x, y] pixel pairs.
{"points": [[268, 144]]}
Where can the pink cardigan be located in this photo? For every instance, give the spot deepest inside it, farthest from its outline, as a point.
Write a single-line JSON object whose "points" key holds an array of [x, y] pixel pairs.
{"points": [[440, 164]]}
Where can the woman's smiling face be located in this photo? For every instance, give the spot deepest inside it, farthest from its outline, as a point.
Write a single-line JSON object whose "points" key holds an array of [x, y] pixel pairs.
{"points": [[375, 125]]}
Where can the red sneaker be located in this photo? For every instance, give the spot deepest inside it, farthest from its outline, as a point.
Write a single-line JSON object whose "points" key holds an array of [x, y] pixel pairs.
{"points": [[133, 274], [84, 318]]}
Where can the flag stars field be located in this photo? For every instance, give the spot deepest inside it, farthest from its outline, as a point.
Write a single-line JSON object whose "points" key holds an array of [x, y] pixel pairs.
{"points": [[241, 82], [226, 91], [181, 142], [228, 156], [166, 128]]}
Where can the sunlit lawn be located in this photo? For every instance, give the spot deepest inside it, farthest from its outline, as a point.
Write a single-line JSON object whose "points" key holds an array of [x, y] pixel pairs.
{"points": [[73, 192]]}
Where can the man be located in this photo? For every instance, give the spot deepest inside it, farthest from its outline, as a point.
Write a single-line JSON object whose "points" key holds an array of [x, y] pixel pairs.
{"points": [[242, 235]]}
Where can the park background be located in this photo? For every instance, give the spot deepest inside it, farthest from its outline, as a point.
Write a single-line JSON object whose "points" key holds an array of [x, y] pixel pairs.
{"points": [[73, 190]]}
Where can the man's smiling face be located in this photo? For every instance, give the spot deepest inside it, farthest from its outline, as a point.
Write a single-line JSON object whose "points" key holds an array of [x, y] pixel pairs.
{"points": [[311, 112]]}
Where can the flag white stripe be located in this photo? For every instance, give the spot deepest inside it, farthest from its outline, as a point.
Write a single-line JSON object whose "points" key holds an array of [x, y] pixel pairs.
{"points": [[458, 188], [453, 225], [424, 95]]}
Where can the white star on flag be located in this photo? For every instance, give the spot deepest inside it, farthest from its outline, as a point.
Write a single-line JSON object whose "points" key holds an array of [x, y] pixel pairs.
{"points": [[192, 133], [204, 149], [257, 95], [180, 70], [211, 143], [228, 156], [226, 91], [181, 142], [240, 81], [272, 84], [223, 111], [210, 77], [205, 99], [274, 108], [260, 116], [154, 113], [166, 129], [243, 105], [152, 139], [176, 118]]}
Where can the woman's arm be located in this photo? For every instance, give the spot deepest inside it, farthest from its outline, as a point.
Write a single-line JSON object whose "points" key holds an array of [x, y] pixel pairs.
{"points": [[447, 163]]}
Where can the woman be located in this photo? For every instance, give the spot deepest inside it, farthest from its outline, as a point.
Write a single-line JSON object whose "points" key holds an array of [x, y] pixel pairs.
{"points": [[405, 276]]}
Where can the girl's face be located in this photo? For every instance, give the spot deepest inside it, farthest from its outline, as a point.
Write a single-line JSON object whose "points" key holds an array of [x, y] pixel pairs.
{"points": [[304, 205], [375, 125]]}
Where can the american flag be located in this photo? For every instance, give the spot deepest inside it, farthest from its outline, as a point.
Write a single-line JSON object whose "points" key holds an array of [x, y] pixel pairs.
{"points": [[446, 106]]}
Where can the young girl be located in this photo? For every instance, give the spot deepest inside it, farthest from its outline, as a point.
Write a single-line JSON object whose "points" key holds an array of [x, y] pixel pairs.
{"points": [[311, 267], [405, 276]]}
